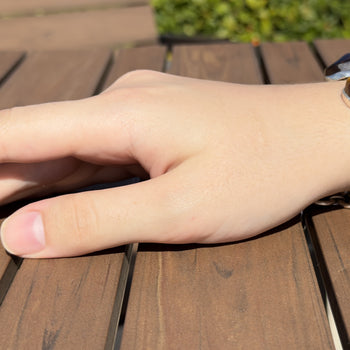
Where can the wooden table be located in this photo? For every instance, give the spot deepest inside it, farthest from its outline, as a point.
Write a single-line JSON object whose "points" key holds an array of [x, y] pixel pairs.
{"points": [[265, 293]]}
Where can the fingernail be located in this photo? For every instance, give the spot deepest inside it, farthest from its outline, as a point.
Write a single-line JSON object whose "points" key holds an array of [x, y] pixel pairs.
{"points": [[23, 233]]}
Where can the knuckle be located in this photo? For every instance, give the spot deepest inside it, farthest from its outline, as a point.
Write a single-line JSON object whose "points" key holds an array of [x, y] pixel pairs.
{"points": [[139, 75]]}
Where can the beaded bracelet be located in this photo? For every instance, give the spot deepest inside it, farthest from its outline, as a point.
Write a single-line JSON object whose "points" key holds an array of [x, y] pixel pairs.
{"points": [[340, 70]]}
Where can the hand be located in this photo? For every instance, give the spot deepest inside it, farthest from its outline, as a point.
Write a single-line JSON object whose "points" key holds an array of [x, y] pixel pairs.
{"points": [[225, 162]]}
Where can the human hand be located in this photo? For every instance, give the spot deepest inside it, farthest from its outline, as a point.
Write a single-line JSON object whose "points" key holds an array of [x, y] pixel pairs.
{"points": [[225, 162]]}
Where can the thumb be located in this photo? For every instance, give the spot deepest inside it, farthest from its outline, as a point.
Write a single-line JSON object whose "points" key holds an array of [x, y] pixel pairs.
{"points": [[77, 224]]}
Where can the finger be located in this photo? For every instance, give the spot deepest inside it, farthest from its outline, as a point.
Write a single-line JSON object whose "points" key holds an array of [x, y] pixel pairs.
{"points": [[19, 181], [61, 129], [76, 224]]}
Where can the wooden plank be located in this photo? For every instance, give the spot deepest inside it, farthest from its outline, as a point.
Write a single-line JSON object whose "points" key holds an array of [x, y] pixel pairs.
{"points": [[217, 62], [258, 294], [67, 303], [148, 57], [332, 234], [331, 50], [291, 63], [7, 61], [54, 76], [332, 238], [30, 7], [60, 303], [111, 27]]}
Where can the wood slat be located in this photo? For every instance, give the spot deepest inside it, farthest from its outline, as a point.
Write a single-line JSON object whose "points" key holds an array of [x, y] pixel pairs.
{"points": [[148, 57], [291, 62], [331, 50], [54, 76], [110, 28], [333, 241], [60, 303], [217, 62], [7, 61], [332, 233], [259, 294], [68, 303], [29, 7]]}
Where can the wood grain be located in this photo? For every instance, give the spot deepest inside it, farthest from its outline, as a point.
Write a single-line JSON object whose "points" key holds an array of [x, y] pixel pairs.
{"points": [[100, 28], [54, 76], [60, 303], [217, 62], [291, 62], [259, 294], [333, 240]]}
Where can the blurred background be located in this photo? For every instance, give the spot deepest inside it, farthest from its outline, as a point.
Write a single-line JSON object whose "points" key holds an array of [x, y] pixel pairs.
{"points": [[254, 20], [56, 24]]}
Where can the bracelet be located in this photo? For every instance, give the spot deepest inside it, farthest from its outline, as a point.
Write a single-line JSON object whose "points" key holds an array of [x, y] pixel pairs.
{"points": [[340, 70]]}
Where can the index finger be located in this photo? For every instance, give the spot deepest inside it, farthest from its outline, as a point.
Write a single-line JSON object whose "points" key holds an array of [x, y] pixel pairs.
{"points": [[59, 129]]}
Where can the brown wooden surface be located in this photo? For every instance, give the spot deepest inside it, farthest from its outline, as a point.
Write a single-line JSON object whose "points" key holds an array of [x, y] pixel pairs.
{"points": [[20, 7], [260, 294], [7, 61], [218, 62], [331, 50], [109, 27], [66, 303], [332, 233], [149, 57], [290, 63], [52, 76]]}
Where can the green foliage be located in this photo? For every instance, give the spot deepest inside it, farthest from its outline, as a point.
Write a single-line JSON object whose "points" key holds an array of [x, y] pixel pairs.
{"points": [[254, 20]]}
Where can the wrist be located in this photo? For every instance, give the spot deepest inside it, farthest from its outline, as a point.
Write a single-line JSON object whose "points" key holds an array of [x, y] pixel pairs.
{"points": [[311, 125], [327, 125]]}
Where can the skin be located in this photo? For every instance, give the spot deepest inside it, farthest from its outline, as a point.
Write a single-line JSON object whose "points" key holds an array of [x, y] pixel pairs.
{"points": [[224, 161]]}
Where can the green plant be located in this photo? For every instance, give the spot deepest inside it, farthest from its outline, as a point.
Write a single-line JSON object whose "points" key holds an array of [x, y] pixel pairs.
{"points": [[254, 20]]}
